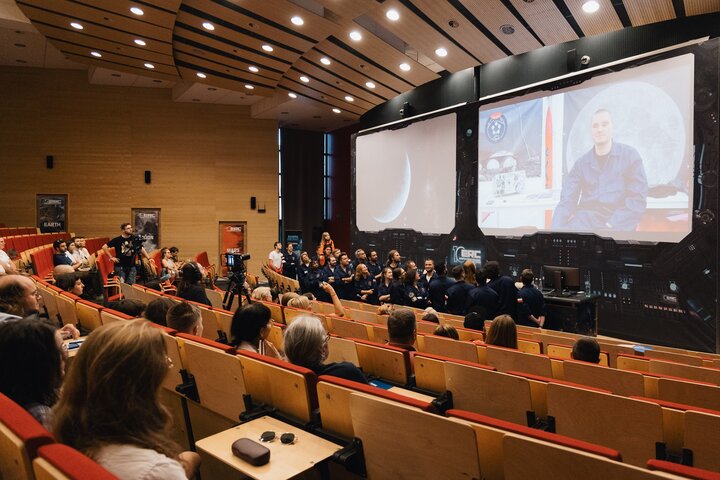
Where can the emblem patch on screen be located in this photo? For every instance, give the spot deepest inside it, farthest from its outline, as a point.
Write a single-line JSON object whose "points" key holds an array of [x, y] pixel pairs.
{"points": [[496, 127]]}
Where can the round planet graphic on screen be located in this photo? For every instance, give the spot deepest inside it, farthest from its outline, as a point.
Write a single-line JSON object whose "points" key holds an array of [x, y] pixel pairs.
{"points": [[397, 202]]}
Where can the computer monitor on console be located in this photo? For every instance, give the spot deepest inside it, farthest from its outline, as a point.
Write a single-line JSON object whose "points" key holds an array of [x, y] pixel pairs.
{"points": [[561, 278]]}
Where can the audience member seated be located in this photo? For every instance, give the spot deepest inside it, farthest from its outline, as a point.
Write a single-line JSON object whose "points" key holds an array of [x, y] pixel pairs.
{"points": [[383, 285], [128, 306], [286, 297], [62, 256], [446, 330], [262, 294], [475, 318], [402, 329], [185, 318], [6, 265], [168, 271], [505, 288], [110, 407], [306, 345], [175, 252], [430, 315], [191, 287], [81, 253], [250, 329], [156, 311], [415, 294], [70, 282], [586, 349], [32, 366], [503, 332], [19, 297], [457, 293]]}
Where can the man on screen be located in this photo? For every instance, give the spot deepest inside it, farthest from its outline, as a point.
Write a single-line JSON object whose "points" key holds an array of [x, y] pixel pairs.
{"points": [[606, 188]]}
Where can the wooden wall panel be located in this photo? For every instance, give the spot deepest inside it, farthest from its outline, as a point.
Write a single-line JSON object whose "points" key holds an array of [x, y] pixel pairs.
{"points": [[206, 160]]}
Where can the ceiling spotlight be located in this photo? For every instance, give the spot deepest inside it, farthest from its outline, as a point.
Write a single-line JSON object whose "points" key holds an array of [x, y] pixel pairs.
{"points": [[149, 65], [208, 26], [325, 61], [137, 11], [507, 29], [96, 54], [201, 75], [139, 42], [370, 84], [441, 52], [253, 69], [355, 35], [349, 98], [297, 20], [76, 26], [292, 95], [591, 6], [248, 86], [393, 15], [267, 48], [304, 79], [337, 110], [404, 67]]}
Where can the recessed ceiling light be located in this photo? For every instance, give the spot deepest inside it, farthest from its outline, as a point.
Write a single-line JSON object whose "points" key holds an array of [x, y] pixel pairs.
{"points": [[208, 26], [370, 84], [149, 65], [96, 54], [76, 26], [325, 61], [393, 15], [404, 67], [441, 52], [349, 98], [355, 35], [139, 42], [304, 79], [248, 86], [253, 69], [297, 20], [507, 29], [591, 6], [137, 11], [201, 75], [337, 110], [292, 95], [267, 48]]}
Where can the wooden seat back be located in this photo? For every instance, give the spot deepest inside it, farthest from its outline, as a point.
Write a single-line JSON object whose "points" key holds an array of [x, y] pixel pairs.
{"points": [[342, 350], [60, 462], [66, 309], [700, 374], [565, 352], [173, 346], [702, 436], [692, 393], [49, 300], [88, 314], [20, 437], [384, 361], [108, 315], [447, 347], [400, 445], [620, 382], [674, 357], [506, 359], [362, 315], [348, 328]]}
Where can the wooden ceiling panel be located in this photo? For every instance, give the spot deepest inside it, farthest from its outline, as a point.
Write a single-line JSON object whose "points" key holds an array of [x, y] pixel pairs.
{"points": [[92, 18], [349, 9], [221, 63], [603, 21], [260, 60], [465, 33], [422, 37], [380, 91], [360, 96], [159, 73], [642, 12], [699, 7], [280, 51], [114, 59], [131, 56], [230, 84], [213, 70], [318, 91], [152, 14], [546, 20], [493, 15]]}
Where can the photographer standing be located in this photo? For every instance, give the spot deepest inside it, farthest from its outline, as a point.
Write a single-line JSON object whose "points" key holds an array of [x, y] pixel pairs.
{"points": [[127, 246]]}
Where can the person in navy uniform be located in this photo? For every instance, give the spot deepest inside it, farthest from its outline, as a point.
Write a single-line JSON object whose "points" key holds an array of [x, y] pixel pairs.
{"points": [[429, 274], [374, 265], [344, 274], [458, 292], [504, 286], [365, 286], [303, 270], [360, 257], [397, 287], [328, 270], [484, 298], [415, 294], [290, 266], [313, 281], [606, 187], [530, 302], [384, 284], [437, 292]]}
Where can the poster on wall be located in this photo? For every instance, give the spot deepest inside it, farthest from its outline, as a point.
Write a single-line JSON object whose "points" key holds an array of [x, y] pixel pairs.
{"points": [[146, 223], [52, 212], [233, 239]]}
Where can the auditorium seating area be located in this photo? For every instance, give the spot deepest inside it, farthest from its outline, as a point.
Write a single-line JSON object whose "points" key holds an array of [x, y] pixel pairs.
{"points": [[489, 406]]}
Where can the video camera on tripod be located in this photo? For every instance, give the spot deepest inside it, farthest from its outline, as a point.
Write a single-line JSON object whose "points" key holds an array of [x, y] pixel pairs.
{"points": [[235, 263]]}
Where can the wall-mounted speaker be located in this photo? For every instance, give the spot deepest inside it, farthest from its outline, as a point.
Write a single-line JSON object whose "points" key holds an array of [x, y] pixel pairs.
{"points": [[148, 176], [50, 161], [571, 60], [253, 203]]}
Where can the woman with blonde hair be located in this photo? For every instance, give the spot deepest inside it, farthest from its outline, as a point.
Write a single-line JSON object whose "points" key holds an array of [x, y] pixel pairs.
{"points": [[110, 407], [503, 332], [470, 272], [325, 242], [365, 285]]}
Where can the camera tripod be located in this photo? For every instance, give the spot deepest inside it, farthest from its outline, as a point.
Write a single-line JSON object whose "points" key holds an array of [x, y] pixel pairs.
{"points": [[236, 287]]}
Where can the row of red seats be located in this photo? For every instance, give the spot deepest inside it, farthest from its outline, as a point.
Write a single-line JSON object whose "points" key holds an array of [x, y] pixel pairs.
{"points": [[7, 231], [42, 259], [26, 242]]}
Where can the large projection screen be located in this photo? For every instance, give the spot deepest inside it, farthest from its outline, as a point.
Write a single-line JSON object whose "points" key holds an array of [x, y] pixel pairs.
{"points": [[612, 156], [405, 178]]}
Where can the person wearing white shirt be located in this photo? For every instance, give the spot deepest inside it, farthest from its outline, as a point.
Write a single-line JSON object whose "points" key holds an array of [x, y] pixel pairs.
{"points": [[276, 258], [6, 265]]}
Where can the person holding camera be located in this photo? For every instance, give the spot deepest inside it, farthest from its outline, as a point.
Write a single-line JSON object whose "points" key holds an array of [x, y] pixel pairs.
{"points": [[127, 247]]}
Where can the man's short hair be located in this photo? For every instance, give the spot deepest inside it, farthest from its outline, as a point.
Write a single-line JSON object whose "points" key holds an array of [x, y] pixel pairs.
{"points": [[12, 291], [183, 317], [586, 349], [156, 311], [491, 269], [276, 244], [124, 225], [457, 272], [58, 242], [527, 276], [401, 325], [174, 250], [128, 306], [441, 269]]}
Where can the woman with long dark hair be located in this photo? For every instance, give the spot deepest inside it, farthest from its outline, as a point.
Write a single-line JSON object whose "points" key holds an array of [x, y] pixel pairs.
{"points": [[191, 287]]}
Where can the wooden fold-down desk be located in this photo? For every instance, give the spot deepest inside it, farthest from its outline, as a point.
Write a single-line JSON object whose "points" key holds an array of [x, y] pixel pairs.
{"points": [[286, 461]]}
